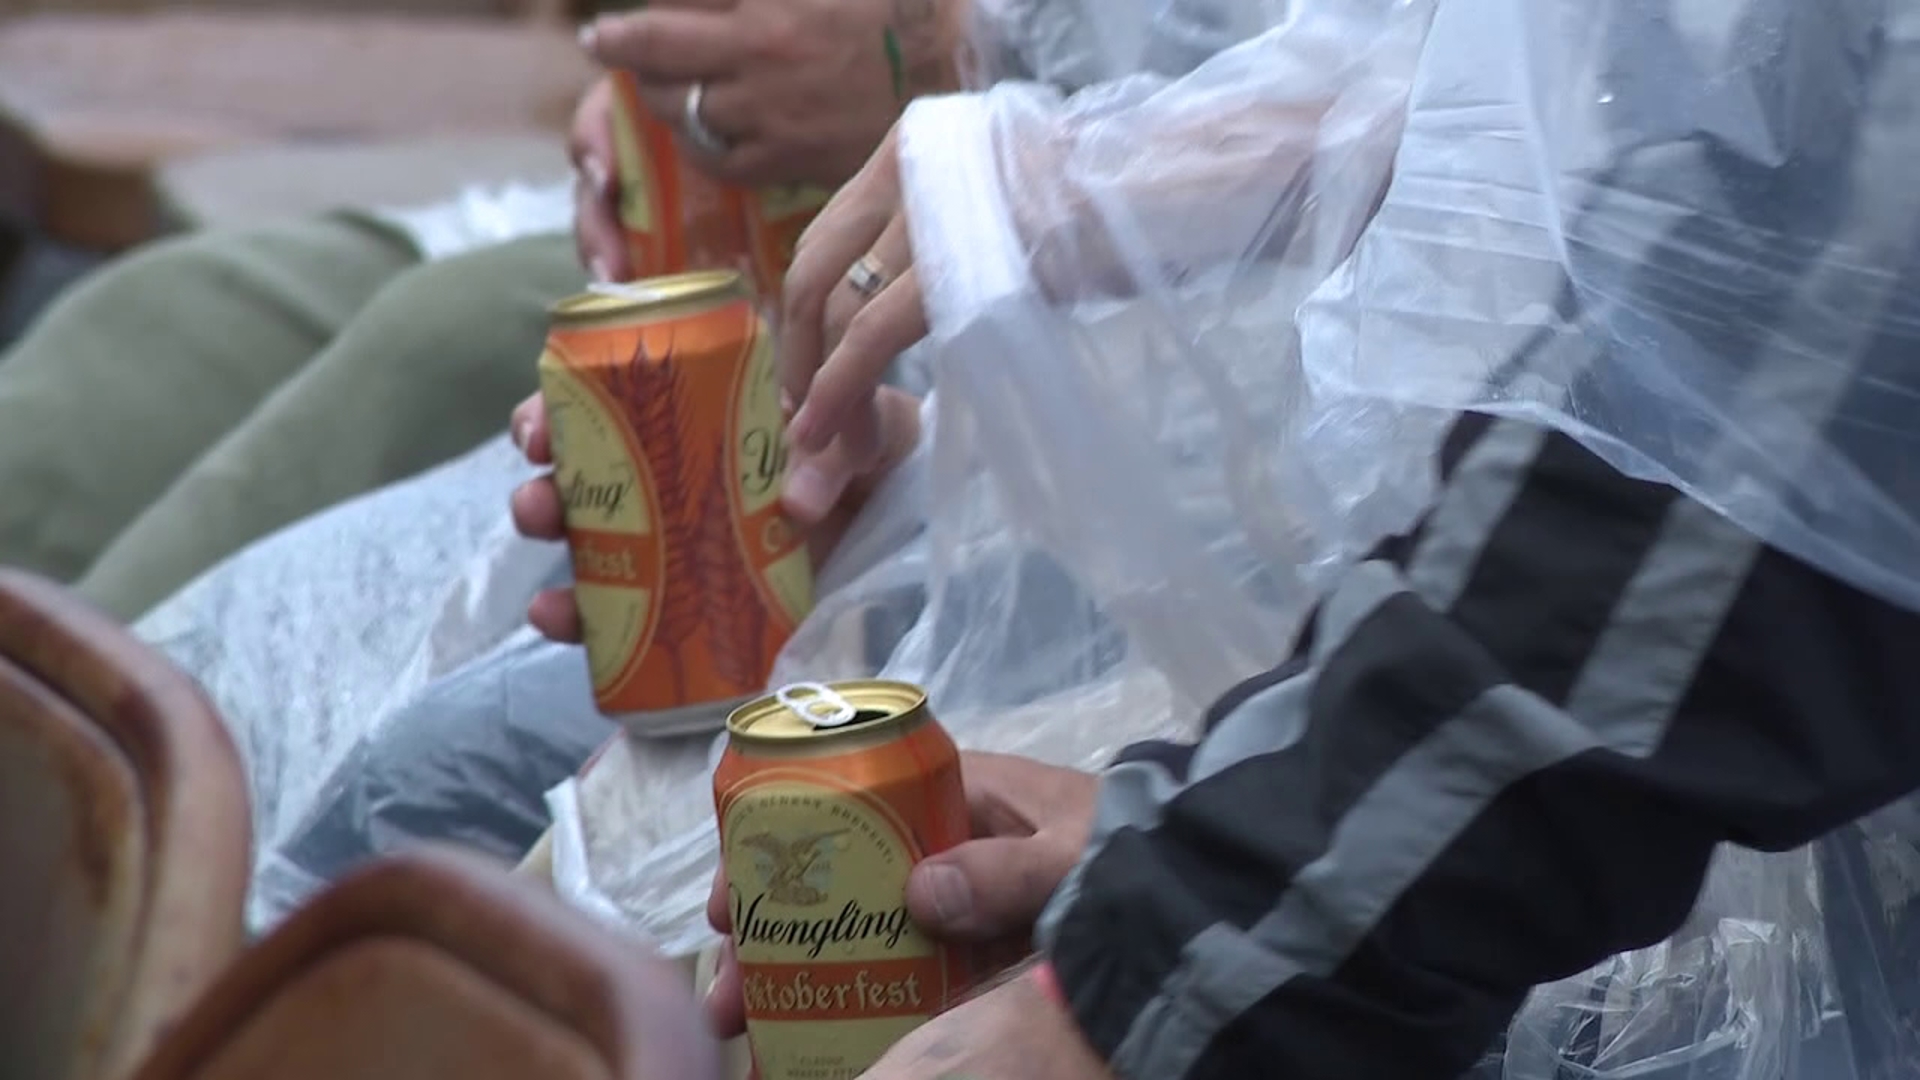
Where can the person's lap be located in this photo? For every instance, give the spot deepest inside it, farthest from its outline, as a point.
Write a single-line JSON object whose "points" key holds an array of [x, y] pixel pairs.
{"points": [[137, 370], [427, 370]]}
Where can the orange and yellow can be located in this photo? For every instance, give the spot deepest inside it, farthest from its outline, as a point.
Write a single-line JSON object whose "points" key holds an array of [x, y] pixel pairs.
{"points": [[676, 218], [669, 454], [827, 797]]}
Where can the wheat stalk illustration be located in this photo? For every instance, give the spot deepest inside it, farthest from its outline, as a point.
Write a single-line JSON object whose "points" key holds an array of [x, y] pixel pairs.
{"points": [[650, 388], [737, 617]]}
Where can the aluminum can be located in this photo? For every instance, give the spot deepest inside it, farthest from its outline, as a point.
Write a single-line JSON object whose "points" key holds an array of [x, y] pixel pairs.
{"points": [[676, 218], [827, 796], [669, 451]]}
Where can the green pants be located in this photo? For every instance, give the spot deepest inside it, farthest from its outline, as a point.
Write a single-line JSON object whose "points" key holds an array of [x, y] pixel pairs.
{"points": [[207, 390]]}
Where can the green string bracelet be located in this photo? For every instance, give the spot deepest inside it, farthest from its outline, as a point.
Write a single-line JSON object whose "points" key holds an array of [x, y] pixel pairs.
{"points": [[896, 61]]}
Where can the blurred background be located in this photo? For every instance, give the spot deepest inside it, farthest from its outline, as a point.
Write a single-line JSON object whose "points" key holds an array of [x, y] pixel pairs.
{"points": [[122, 120]]}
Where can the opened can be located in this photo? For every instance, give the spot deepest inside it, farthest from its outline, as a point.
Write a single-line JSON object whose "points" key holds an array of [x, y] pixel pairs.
{"points": [[669, 454], [676, 218], [827, 797]]}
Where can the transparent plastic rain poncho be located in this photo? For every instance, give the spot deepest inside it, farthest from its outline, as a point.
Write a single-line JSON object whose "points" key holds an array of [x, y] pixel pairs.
{"points": [[1680, 230]]}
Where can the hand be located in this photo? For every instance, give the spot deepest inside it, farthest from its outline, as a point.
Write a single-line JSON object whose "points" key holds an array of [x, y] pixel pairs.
{"points": [[1031, 822], [596, 190], [825, 508], [799, 91], [1013, 1032], [837, 339]]}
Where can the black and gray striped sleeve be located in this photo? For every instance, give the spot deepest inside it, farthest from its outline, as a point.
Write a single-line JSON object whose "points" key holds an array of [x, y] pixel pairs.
{"points": [[1506, 749]]}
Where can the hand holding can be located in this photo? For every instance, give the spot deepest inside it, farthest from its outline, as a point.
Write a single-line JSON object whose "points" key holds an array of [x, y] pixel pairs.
{"points": [[827, 798]]}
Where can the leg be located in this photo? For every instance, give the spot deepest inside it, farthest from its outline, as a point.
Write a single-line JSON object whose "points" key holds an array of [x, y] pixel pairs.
{"points": [[427, 371], [135, 372]]}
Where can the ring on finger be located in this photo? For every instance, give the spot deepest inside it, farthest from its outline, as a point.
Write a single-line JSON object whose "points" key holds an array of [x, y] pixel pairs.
{"points": [[867, 277], [695, 124]]}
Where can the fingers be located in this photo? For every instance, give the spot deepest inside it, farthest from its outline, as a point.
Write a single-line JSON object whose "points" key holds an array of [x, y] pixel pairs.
{"points": [[1034, 819], [845, 230], [820, 485], [1010, 796], [538, 514], [719, 915], [839, 394], [899, 419], [669, 45], [987, 889], [726, 999], [556, 614], [890, 254], [726, 1003], [596, 192], [859, 435], [590, 141], [597, 235], [531, 433], [537, 510], [727, 110]]}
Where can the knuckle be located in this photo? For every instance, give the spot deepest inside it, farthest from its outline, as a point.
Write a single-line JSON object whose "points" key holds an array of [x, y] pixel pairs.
{"points": [[861, 332], [639, 43], [804, 299], [773, 32]]}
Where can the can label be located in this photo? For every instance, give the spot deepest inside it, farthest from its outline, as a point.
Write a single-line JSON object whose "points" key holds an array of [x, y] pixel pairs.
{"points": [[775, 219], [833, 969], [676, 218], [667, 439]]}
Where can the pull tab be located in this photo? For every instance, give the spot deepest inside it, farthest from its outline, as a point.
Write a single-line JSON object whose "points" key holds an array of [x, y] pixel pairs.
{"points": [[817, 705], [623, 291]]}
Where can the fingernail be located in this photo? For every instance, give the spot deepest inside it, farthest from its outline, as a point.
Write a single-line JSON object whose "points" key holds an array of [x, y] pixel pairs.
{"points": [[800, 430], [788, 406], [597, 175], [522, 431], [810, 492], [952, 897], [589, 34], [599, 269]]}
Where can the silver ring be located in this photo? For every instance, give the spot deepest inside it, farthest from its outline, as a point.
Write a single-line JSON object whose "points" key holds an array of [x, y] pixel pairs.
{"points": [[702, 136], [866, 277]]}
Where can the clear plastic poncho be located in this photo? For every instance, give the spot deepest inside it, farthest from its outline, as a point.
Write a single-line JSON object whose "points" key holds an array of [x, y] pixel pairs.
{"points": [[1684, 232]]}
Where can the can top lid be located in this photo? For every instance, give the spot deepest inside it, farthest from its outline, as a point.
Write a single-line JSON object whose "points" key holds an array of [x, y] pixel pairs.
{"points": [[607, 299], [815, 710]]}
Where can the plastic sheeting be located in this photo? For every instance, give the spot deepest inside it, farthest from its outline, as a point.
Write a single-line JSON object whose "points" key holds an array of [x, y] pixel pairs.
{"points": [[374, 667], [1111, 280], [1682, 231], [1792, 967]]}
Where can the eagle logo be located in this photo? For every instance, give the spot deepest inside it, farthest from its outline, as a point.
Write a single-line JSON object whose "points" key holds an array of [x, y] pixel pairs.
{"points": [[793, 871]]}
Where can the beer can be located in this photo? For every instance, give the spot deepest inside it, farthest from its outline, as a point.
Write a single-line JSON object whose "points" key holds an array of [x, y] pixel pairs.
{"points": [[675, 217], [774, 219], [669, 453], [827, 796]]}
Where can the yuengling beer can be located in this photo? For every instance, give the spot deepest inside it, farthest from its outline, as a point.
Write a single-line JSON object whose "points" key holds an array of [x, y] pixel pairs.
{"points": [[827, 796]]}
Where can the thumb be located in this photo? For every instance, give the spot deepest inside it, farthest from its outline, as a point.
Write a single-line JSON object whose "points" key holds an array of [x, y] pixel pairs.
{"points": [[987, 889]]}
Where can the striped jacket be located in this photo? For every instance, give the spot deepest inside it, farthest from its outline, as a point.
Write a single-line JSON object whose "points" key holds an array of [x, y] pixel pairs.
{"points": [[1507, 744]]}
